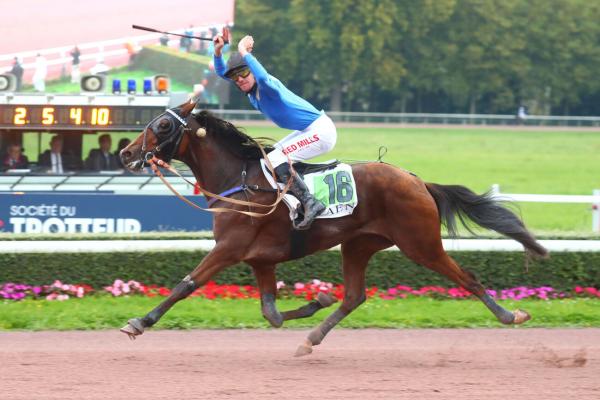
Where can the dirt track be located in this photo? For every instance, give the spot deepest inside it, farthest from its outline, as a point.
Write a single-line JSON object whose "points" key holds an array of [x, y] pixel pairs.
{"points": [[258, 364]]}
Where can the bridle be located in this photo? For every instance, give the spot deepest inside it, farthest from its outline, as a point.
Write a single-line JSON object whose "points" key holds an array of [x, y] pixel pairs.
{"points": [[170, 144], [169, 147]]}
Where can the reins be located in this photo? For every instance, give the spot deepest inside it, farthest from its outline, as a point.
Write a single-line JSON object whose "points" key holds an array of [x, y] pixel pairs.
{"points": [[155, 162]]}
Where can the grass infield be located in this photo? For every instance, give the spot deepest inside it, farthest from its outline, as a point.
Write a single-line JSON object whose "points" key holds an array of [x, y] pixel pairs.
{"points": [[520, 161], [105, 312]]}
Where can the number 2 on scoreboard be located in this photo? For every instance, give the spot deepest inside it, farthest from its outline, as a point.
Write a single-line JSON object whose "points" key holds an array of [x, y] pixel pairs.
{"points": [[20, 115]]}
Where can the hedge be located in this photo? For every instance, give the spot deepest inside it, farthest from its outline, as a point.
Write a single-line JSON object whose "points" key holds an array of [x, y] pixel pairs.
{"points": [[496, 270]]}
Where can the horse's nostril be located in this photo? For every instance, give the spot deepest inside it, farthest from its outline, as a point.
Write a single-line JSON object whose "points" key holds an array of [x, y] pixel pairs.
{"points": [[125, 155]]}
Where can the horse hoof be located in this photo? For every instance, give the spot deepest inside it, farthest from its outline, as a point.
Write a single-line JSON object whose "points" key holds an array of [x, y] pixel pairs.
{"points": [[304, 349], [521, 317], [325, 300], [133, 328], [275, 321]]}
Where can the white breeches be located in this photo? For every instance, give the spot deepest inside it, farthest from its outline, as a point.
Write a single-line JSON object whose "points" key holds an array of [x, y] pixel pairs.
{"points": [[318, 138]]}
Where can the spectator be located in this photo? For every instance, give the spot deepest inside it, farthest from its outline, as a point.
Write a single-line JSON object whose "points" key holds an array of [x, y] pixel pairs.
{"points": [[164, 40], [39, 76], [54, 160], [102, 159], [521, 115], [122, 144], [132, 51], [75, 73], [188, 41], [17, 71], [202, 45], [14, 159]]}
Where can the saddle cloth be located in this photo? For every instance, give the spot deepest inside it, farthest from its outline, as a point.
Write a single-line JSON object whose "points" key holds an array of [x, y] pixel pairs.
{"points": [[332, 184]]}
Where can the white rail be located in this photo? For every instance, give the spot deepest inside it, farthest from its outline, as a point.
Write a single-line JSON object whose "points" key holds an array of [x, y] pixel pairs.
{"points": [[426, 118], [106, 246], [593, 199], [93, 51]]}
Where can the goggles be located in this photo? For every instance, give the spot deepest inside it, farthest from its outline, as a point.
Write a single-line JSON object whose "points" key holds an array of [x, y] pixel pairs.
{"points": [[243, 72]]}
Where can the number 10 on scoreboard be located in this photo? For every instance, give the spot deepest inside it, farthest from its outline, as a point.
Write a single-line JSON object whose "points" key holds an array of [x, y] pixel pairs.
{"points": [[98, 116]]}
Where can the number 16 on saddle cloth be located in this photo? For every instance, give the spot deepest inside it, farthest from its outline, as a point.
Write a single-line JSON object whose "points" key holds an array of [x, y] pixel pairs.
{"points": [[335, 188]]}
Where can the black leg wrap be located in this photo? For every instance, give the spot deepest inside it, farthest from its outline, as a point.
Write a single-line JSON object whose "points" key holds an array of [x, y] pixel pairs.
{"points": [[269, 310], [317, 335], [503, 315], [181, 291], [305, 311]]}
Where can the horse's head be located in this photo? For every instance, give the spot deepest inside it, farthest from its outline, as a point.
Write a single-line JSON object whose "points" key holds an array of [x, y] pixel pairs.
{"points": [[165, 137]]}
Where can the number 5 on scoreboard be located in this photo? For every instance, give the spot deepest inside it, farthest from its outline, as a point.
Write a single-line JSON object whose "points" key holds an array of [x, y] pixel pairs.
{"points": [[75, 115], [48, 116]]}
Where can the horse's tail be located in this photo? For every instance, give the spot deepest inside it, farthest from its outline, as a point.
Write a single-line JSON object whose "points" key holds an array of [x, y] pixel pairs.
{"points": [[453, 200]]}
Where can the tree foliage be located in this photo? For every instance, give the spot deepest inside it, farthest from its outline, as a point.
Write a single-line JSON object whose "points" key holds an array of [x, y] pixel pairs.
{"points": [[431, 55]]}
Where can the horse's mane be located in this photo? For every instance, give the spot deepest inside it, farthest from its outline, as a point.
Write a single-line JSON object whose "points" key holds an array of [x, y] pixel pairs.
{"points": [[232, 139]]}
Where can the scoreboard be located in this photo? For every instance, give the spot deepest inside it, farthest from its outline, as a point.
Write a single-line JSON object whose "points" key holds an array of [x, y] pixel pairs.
{"points": [[23, 116], [79, 112]]}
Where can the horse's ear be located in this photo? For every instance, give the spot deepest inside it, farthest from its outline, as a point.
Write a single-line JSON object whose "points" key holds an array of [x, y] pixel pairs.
{"points": [[186, 108], [197, 109]]}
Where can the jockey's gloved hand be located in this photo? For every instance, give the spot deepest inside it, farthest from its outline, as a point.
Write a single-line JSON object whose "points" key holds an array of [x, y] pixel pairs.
{"points": [[220, 40], [246, 45]]}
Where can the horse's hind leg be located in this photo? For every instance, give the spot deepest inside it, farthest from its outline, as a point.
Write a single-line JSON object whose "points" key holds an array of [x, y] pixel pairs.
{"points": [[431, 254], [355, 257], [265, 277]]}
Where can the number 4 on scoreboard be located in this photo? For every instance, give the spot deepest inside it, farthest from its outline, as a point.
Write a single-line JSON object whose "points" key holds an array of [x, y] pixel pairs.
{"points": [[75, 114]]}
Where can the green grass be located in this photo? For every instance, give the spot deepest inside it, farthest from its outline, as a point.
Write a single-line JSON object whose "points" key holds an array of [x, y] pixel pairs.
{"points": [[534, 162], [560, 162], [111, 313]]}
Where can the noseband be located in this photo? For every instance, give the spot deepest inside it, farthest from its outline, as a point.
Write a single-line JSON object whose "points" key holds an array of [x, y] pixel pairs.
{"points": [[167, 142]]}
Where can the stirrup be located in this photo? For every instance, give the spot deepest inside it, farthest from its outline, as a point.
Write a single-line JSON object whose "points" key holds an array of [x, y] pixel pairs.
{"points": [[307, 221]]}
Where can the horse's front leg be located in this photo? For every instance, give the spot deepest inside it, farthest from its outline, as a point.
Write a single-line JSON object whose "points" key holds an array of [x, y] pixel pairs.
{"points": [[215, 261], [265, 277]]}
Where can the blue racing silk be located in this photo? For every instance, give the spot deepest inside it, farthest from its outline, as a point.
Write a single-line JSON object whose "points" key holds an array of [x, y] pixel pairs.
{"points": [[273, 99]]}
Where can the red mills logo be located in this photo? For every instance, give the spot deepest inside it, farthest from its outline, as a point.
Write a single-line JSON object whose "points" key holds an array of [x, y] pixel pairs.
{"points": [[301, 143]]}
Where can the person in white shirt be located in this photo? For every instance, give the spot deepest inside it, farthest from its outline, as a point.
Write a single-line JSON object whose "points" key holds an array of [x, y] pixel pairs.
{"points": [[39, 75]]}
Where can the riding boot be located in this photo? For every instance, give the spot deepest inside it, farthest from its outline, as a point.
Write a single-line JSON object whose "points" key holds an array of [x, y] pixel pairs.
{"points": [[312, 206]]}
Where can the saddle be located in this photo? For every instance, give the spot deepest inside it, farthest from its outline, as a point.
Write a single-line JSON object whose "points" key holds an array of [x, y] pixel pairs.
{"points": [[332, 183], [309, 168]]}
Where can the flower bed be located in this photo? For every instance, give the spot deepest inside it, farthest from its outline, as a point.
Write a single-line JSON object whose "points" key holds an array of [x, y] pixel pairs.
{"points": [[61, 291]]}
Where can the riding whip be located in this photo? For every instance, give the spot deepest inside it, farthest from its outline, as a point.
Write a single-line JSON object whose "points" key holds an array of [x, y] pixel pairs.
{"points": [[143, 28]]}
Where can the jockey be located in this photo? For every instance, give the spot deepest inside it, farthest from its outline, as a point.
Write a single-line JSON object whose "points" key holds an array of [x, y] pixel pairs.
{"points": [[313, 132]]}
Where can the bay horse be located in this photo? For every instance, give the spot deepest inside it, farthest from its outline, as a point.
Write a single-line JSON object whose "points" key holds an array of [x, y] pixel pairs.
{"points": [[394, 208]]}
